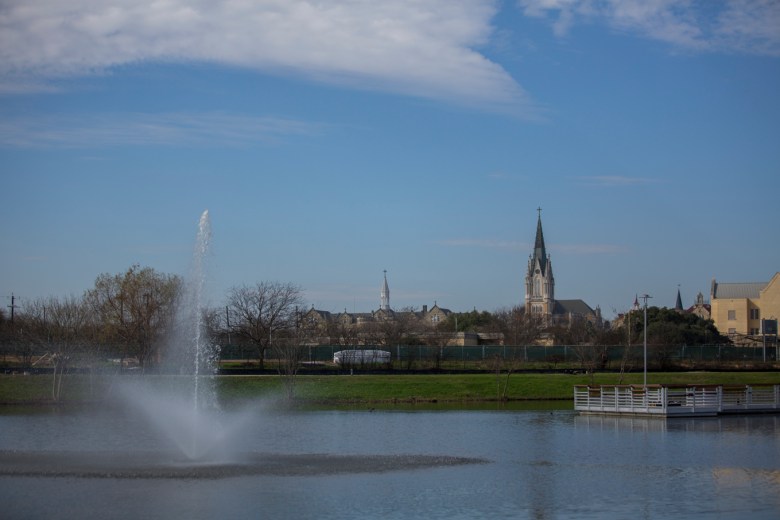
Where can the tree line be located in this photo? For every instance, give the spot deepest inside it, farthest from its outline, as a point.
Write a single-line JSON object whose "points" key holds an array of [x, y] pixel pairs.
{"points": [[131, 315]]}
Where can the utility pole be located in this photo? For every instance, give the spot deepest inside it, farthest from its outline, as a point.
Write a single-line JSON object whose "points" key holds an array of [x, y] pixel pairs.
{"points": [[763, 334], [645, 297], [12, 307]]}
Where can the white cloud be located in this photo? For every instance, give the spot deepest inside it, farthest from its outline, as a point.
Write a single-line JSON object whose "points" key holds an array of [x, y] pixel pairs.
{"points": [[413, 47], [748, 26], [751, 26], [173, 129]]}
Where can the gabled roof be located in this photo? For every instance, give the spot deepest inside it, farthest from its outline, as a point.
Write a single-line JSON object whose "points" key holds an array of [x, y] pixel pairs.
{"points": [[573, 307], [325, 314], [737, 290], [442, 309]]}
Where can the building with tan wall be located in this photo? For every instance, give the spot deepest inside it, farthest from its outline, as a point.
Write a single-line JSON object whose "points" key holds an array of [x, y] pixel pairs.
{"points": [[739, 308]]}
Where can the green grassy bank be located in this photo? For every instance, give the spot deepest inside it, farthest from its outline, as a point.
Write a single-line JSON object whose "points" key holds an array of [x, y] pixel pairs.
{"points": [[341, 389]]}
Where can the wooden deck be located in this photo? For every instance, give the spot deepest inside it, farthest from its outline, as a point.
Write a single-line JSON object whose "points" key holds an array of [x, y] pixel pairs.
{"points": [[676, 400]]}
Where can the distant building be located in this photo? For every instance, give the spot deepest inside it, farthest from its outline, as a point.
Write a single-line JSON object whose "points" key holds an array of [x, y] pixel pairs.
{"points": [[739, 308], [700, 309], [540, 289], [321, 320]]}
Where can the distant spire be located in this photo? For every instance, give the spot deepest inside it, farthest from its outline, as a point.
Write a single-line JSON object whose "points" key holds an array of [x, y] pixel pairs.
{"points": [[678, 305], [636, 302], [384, 295], [540, 253]]}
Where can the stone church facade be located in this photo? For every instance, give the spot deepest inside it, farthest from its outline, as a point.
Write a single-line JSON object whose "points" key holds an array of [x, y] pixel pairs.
{"points": [[540, 289]]}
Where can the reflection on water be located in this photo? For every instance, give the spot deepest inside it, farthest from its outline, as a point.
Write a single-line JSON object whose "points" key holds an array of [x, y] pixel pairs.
{"points": [[768, 424], [542, 464]]}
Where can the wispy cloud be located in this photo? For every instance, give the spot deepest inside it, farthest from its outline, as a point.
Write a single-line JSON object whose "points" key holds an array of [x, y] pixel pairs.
{"points": [[747, 26], [482, 243], [577, 249], [612, 180], [422, 48], [589, 249], [134, 129]]}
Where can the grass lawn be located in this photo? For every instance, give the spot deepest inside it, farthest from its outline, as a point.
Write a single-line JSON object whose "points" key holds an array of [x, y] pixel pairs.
{"points": [[336, 389]]}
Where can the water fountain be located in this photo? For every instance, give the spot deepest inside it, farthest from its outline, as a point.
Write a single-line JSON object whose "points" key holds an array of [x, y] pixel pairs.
{"points": [[193, 437], [203, 351], [188, 413], [210, 463]]}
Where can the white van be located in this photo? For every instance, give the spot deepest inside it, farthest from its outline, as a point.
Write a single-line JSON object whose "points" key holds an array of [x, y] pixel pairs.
{"points": [[361, 357]]}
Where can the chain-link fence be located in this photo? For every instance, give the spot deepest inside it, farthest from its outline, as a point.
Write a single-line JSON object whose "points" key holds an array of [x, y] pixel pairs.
{"points": [[476, 357], [546, 355]]}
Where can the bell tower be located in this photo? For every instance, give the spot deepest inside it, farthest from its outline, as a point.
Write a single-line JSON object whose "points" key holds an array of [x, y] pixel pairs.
{"points": [[539, 280]]}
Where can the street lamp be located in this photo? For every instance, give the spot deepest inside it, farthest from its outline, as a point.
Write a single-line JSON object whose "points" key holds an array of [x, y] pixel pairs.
{"points": [[645, 297]]}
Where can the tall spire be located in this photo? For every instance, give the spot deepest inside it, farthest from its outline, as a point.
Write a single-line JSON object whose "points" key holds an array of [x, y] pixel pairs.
{"points": [[540, 253], [539, 281], [384, 295], [678, 305]]}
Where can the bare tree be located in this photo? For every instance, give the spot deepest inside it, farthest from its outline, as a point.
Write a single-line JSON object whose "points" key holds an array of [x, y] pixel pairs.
{"points": [[519, 327], [23, 339], [136, 309], [290, 351], [62, 329], [403, 328], [262, 312], [340, 333], [5, 335], [439, 338], [616, 334]]}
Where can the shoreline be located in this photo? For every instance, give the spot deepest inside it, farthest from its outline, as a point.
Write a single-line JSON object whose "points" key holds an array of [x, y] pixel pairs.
{"points": [[351, 390]]}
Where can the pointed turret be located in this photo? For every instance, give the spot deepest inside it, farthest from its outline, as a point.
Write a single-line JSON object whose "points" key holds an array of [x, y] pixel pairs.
{"points": [[384, 295], [678, 304]]}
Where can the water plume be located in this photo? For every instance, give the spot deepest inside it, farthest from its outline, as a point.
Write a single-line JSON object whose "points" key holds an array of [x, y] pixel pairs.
{"points": [[186, 410]]}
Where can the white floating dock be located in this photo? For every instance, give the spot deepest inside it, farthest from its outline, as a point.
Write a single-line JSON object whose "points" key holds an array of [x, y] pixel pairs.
{"points": [[676, 400]]}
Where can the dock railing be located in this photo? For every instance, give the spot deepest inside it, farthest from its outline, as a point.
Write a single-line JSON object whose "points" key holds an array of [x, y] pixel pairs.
{"points": [[676, 400]]}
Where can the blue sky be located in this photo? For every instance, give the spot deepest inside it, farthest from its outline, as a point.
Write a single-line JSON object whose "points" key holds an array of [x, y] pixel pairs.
{"points": [[333, 140]]}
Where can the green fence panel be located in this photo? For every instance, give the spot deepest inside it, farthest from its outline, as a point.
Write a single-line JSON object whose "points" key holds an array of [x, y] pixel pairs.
{"points": [[552, 355]]}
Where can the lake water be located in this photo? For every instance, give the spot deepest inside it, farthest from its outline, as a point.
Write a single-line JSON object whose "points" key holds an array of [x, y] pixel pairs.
{"points": [[528, 464]]}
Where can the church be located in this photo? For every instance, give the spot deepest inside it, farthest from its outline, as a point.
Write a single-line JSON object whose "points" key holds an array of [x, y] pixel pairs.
{"points": [[320, 319], [540, 289]]}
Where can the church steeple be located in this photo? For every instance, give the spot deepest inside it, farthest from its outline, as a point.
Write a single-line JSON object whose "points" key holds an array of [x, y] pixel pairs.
{"points": [[384, 295], [539, 281], [678, 304], [540, 253]]}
